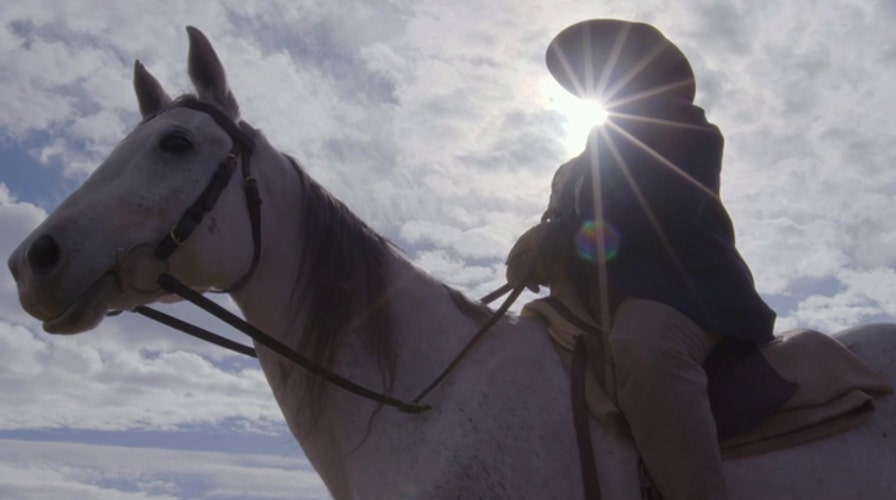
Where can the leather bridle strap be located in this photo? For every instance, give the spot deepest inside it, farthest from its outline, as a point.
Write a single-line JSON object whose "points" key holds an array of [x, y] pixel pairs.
{"points": [[172, 285], [193, 216], [195, 331], [493, 319], [241, 149]]}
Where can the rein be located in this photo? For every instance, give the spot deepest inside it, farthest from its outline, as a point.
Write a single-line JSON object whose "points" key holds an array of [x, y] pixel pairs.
{"points": [[241, 151]]}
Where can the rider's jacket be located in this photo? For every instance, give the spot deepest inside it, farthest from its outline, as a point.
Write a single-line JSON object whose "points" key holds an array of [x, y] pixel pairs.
{"points": [[649, 178]]}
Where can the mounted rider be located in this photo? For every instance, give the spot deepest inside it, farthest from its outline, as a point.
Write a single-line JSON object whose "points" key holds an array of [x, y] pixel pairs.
{"points": [[636, 234]]}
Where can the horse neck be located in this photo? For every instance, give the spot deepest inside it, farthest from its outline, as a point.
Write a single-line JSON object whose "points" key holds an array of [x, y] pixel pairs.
{"points": [[427, 330]]}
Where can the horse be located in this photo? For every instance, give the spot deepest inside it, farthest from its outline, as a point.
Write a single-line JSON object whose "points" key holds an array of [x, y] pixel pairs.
{"points": [[320, 280]]}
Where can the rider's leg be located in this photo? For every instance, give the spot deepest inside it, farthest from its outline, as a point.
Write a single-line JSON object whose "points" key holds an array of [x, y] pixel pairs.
{"points": [[661, 389]]}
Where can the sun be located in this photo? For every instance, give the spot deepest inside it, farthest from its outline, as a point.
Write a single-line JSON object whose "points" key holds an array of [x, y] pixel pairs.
{"points": [[581, 115], [588, 114]]}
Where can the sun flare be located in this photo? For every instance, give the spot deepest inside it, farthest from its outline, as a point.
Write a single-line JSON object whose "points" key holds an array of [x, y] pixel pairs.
{"points": [[590, 113], [581, 115]]}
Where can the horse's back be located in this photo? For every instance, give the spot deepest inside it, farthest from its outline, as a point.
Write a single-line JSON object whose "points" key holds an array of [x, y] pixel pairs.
{"points": [[860, 463], [874, 343]]}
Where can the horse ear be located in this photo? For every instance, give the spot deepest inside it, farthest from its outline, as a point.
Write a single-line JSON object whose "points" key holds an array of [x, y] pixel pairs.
{"points": [[207, 74], [150, 94]]}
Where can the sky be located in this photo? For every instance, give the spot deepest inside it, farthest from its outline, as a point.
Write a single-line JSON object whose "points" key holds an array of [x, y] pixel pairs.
{"points": [[438, 123]]}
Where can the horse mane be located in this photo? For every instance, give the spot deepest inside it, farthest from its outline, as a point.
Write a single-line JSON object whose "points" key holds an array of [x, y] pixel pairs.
{"points": [[341, 287]]}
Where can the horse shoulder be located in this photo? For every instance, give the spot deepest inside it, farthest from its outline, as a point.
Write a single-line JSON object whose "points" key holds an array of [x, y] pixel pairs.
{"points": [[508, 407]]}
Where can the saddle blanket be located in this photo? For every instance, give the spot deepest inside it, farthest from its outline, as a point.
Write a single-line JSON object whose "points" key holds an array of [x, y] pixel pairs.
{"points": [[834, 390]]}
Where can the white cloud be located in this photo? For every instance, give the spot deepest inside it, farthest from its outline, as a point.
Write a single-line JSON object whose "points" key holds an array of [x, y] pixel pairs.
{"points": [[107, 381], [878, 284], [455, 271], [38, 470], [830, 313]]}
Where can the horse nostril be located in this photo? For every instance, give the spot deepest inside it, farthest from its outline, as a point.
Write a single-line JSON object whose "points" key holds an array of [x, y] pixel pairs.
{"points": [[44, 254]]}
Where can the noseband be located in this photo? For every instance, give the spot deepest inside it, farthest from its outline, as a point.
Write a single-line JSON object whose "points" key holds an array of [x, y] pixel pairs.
{"points": [[243, 145]]}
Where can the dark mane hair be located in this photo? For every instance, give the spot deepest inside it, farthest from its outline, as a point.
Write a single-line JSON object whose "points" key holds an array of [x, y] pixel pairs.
{"points": [[341, 286]]}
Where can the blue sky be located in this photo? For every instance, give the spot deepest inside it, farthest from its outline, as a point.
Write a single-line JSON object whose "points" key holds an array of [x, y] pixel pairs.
{"points": [[438, 124]]}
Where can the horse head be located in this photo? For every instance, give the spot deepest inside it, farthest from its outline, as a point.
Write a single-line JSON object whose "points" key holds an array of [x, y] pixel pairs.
{"points": [[98, 250]]}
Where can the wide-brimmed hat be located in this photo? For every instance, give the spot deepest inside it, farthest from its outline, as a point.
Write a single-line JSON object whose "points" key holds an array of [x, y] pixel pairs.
{"points": [[614, 60]]}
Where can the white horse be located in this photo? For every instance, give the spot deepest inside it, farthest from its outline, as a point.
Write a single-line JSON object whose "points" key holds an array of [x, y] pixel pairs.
{"points": [[501, 423]]}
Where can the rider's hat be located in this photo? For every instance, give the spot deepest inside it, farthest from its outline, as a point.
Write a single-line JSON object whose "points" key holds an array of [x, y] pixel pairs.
{"points": [[609, 59]]}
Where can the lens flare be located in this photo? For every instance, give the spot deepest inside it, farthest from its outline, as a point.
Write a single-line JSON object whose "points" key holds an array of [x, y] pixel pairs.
{"points": [[592, 113], [581, 115], [592, 234]]}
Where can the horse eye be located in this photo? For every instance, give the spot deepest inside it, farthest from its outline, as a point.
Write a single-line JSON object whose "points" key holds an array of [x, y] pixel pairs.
{"points": [[175, 142]]}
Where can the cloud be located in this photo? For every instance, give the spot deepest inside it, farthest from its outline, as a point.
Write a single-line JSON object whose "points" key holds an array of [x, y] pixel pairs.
{"points": [[832, 313], [456, 272], [104, 381], [73, 470]]}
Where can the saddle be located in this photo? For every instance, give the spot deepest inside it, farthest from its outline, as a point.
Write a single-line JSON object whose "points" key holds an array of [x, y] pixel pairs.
{"points": [[802, 386]]}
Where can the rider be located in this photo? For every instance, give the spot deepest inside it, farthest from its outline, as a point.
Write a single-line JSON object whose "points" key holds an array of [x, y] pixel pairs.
{"points": [[666, 276]]}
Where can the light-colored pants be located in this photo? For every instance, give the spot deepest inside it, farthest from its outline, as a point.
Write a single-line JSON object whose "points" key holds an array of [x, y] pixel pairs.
{"points": [[661, 389]]}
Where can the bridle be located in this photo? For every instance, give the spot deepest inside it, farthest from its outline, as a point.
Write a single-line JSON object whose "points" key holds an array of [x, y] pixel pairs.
{"points": [[243, 145]]}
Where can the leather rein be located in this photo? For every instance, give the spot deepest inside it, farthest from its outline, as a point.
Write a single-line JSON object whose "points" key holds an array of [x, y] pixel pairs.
{"points": [[243, 145]]}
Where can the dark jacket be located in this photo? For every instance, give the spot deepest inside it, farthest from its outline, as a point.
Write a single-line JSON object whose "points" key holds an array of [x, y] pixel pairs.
{"points": [[658, 178]]}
